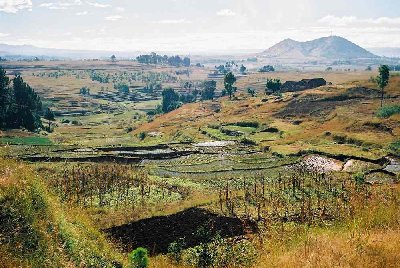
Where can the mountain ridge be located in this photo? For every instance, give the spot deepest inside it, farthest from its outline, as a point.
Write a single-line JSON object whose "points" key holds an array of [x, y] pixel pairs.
{"points": [[332, 47]]}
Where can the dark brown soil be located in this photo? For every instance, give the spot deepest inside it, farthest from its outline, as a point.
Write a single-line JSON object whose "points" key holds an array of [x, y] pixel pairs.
{"points": [[157, 233]]}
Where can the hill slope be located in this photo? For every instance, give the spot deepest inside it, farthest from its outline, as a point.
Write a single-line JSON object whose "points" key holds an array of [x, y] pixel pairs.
{"points": [[333, 47]]}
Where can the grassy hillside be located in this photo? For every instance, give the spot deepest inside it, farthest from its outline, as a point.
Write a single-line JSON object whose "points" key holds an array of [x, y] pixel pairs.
{"points": [[332, 119], [37, 231]]}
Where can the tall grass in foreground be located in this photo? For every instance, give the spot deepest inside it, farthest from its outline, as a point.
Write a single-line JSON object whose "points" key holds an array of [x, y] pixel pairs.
{"points": [[37, 231]]}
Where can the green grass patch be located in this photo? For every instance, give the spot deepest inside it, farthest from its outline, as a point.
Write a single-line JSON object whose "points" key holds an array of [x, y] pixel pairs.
{"points": [[388, 111], [32, 140]]}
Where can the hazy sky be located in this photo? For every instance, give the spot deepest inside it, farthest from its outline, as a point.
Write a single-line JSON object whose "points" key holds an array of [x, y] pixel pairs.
{"points": [[195, 25]]}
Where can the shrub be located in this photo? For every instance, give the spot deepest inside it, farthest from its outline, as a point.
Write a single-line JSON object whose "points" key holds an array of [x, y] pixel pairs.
{"points": [[247, 141], [142, 135], [388, 111], [175, 250], [395, 147], [138, 258], [359, 178]]}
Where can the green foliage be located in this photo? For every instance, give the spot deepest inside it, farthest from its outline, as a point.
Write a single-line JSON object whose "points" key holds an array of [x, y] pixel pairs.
{"points": [[170, 100], [247, 141], [242, 69], [142, 135], [229, 81], [273, 86], [246, 124], [208, 91], [49, 115], [395, 147], [20, 105], [359, 178], [388, 111], [266, 69], [35, 230], [32, 140], [154, 58], [122, 88], [219, 252], [84, 91], [175, 250], [251, 91], [138, 258], [383, 79]]}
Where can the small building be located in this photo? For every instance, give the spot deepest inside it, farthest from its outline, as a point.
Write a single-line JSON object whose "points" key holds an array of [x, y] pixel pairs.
{"points": [[290, 86]]}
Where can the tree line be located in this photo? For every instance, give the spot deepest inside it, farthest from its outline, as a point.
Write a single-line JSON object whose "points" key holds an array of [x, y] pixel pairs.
{"points": [[20, 106], [154, 58], [172, 100]]}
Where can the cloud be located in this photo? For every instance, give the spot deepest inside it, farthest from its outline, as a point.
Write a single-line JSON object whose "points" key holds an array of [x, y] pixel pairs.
{"points": [[226, 13], [119, 9], [354, 21], [179, 21], [13, 6], [94, 4], [61, 5], [83, 13], [4, 34], [113, 17]]}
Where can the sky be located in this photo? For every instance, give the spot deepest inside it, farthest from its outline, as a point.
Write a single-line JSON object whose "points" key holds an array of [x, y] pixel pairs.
{"points": [[189, 26]]}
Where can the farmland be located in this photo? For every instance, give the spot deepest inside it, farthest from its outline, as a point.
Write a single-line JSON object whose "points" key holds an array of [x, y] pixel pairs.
{"points": [[250, 178]]}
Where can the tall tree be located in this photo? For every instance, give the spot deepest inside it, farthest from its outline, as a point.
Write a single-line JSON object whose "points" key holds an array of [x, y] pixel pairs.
{"points": [[229, 81], [5, 96], [272, 86], [49, 116], [170, 100], [383, 79], [208, 91], [243, 69], [27, 105]]}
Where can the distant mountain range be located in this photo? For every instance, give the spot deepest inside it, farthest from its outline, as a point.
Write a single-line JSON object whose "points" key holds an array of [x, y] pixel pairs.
{"points": [[333, 47], [386, 51], [15, 51]]}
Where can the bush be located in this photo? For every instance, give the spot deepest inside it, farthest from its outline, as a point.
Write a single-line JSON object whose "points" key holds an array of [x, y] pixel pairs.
{"points": [[138, 258], [175, 250], [142, 135], [247, 141], [359, 178], [395, 147], [388, 111]]}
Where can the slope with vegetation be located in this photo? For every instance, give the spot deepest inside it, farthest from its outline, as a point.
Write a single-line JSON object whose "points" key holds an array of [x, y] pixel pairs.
{"points": [[36, 230]]}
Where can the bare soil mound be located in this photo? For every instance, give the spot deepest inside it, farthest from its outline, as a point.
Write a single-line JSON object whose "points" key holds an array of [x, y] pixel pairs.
{"points": [[157, 233]]}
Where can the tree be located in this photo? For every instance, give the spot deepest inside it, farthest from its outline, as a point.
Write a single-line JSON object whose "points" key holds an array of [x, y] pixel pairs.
{"points": [[229, 81], [170, 100], [267, 69], [27, 105], [186, 62], [208, 91], [383, 79], [272, 86], [251, 91], [19, 104], [138, 258], [84, 91], [5, 97], [122, 88], [243, 69], [113, 58], [49, 115]]}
